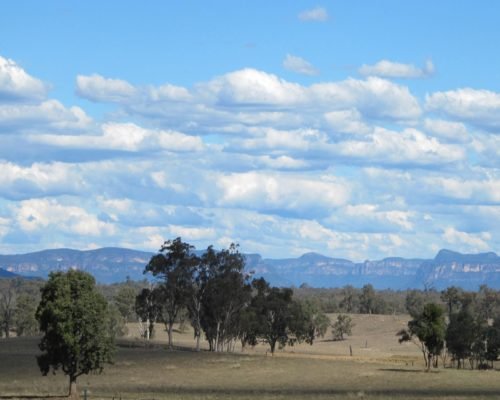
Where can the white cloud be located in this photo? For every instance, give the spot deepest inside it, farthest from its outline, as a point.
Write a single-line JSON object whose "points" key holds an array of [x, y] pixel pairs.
{"points": [[407, 147], [374, 97], [447, 130], [347, 121], [16, 84], [480, 107], [50, 114], [39, 179], [42, 214], [486, 189], [275, 192], [252, 87], [97, 88], [126, 137], [372, 215], [299, 65], [390, 69], [318, 14], [473, 242]]}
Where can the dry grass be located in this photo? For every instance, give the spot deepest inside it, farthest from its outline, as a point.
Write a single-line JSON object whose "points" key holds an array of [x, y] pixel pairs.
{"points": [[323, 371]]}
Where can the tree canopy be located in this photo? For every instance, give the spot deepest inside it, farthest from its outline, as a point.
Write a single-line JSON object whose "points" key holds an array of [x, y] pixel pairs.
{"points": [[73, 318]]}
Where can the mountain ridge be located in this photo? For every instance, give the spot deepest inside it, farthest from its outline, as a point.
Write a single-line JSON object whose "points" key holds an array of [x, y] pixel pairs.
{"points": [[115, 264]]}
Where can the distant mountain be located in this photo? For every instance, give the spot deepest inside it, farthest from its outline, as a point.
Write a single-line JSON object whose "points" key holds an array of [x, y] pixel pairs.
{"points": [[447, 268], [106, 264], [7, 274]]}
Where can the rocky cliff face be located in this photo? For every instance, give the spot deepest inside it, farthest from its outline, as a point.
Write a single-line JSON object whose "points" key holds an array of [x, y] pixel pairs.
{"points": [[447, 268]]}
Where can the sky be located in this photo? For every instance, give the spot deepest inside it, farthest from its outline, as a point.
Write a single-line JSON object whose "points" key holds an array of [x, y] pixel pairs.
{"points": [[355, 129]]}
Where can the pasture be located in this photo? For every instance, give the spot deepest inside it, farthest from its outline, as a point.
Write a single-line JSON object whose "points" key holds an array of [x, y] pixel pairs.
{"points": [[380, 368]]}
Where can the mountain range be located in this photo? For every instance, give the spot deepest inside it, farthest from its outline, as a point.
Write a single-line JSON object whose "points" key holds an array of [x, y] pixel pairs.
{"points": [[109, 265]]}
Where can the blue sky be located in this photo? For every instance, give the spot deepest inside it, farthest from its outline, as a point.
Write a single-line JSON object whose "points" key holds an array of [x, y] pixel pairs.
{"points": [[356, 129]]}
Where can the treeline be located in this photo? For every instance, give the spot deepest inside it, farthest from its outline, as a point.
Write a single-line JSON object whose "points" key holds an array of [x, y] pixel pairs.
{"points": [[222, 301], [464, 328]]}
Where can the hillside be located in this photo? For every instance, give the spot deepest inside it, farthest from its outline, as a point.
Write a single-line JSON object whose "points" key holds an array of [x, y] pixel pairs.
{"points": [[448, 268]]}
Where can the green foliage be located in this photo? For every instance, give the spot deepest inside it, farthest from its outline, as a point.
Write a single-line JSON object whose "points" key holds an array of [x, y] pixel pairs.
{"points": [[429, 327], [148, 305], [25, 316], [342, 326], [124, 300], [73, 317], [173, 265]]}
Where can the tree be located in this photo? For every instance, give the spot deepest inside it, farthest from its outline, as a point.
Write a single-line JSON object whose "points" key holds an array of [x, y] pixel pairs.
{"points": [[226, 294], [342, 326], [8, 297], [280, 320], [429, 329], [73, 318], [25, 321], [367, 300], [173, 265], [125, 302], [148, 309], [348, 303], [451, 297]]}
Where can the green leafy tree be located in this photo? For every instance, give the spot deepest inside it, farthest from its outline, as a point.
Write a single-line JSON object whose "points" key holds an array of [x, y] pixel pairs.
{"points": [[367, 300], [342, 326], [427, 330], [8, 299], [452, 298], [73, 318], [227, 293], [148, 309], [173, 265], [280, 319], [349, 300], [125, 302], [25, 316]]}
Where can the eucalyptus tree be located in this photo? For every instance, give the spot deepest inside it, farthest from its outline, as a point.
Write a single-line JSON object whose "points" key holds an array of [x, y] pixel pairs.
{"points": [[173, 267]]}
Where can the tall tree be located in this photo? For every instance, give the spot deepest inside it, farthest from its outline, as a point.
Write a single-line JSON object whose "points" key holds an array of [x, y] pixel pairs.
{"points": [[429, 329], [125, 302], [173, 265], [73, 318], [367, 300], [25, 316], [8, 296], [227, 293], [148, 309], [451, 297]]}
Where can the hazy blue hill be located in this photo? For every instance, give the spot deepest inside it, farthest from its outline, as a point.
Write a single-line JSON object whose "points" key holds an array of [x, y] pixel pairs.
{"points": [[116, 264]]}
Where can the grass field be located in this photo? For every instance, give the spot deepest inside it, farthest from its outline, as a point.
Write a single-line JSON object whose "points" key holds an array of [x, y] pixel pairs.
{"points": [[379, 369]]}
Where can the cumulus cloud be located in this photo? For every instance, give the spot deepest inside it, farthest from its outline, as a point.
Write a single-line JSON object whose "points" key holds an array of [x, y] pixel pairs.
{"points": [[374, 97], [479, 107], [347, 121], [405, 148], [299, 65], [38, 180], [274, 192], [126, 137], [317, 14], [50, 114], [447, 130], [390, 69], [41, 214], [472, 241], [17, 85], [479, 190], [97, 88]]}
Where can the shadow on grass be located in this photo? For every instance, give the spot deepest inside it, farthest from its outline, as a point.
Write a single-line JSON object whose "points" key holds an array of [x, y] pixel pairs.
{"points": [[243, 393], [414, 371]]}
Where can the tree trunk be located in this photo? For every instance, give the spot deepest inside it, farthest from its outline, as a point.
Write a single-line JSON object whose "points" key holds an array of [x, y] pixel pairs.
{"points": [[198, 341], [170, 333], [272, 343], [73, 391]]}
